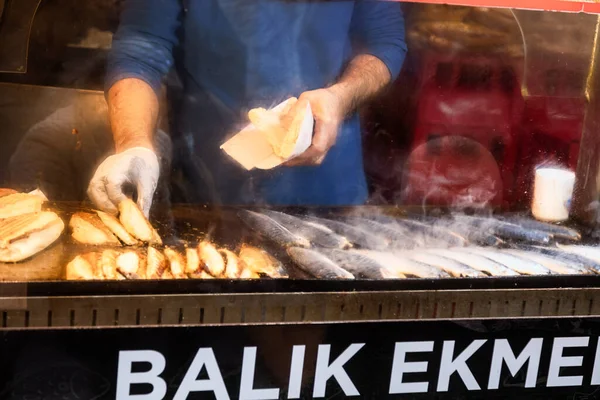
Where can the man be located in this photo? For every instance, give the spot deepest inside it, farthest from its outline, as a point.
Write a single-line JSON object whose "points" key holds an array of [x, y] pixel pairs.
{"points": [[235, 55]]}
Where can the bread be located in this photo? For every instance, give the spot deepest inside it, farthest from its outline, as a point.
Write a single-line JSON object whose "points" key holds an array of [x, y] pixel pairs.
{"points": [[136, 223]]}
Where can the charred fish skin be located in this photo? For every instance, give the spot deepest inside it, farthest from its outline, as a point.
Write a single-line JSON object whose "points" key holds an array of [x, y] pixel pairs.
{"points": [[271, 229], [319, 237], [555, 230], [398, 237], [356, 236], [317, 265], [360, 265]]}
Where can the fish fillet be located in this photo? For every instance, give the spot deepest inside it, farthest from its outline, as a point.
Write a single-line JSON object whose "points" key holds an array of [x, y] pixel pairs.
{"points": [[233, 268], [88, 228], [113, 224], [156, 264], [136, 223], [192, 261], [211, 259], [108, 261], [260, 262], [128, 264], [79, 269], [176, 263]]}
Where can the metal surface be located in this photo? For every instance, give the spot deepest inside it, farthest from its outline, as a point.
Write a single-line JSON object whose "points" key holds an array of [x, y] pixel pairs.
{"points": [[235, 309], [17, 18]]}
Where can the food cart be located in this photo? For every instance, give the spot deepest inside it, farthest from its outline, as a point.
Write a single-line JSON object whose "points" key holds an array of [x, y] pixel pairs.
{"points": [[520, 80]]}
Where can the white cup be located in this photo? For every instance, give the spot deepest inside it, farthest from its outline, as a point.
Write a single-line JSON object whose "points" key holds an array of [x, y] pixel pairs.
{"points": [[552, 193]]}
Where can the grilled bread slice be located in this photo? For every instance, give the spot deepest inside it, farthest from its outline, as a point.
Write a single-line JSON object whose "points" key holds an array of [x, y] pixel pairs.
{"points": [[136, 223], [88, 228], [28, 242], [116, 228], [17, 204]]}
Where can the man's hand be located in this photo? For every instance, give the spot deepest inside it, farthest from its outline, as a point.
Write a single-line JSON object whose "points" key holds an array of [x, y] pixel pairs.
{"points": [[137, 167], [329, 112], [365, 77]]}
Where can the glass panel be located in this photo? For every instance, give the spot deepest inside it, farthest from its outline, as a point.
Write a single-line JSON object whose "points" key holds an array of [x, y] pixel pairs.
{"points": [[355, 113]]}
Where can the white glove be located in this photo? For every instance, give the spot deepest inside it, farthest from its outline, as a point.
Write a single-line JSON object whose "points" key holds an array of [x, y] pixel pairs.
{"points": [[137, 166]]}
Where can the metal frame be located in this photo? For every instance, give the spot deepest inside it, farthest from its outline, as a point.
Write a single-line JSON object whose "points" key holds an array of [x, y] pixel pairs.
{"points": [[18, 312]]}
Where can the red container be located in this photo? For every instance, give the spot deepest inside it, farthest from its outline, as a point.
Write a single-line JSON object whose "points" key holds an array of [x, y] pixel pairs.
{"points": [[477, 98]]}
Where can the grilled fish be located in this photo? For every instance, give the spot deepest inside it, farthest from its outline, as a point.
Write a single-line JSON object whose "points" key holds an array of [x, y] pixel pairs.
{"points": [[176, 263], [260, 262], [453, 267], [318, 236], [156, 264], [192, 261], [113, 224], [128, 264], [552, 264], [79, 269], [476, 261], [555, 230], [434, 234], [521, 265], [356, 236], [507, 230], [108, 261], [136, 223], [88, 228], [272, 230], [233, 268], [360, 265], [591, 252], [568, 257], [211, 259], [403, 265], [317, 265], [398, 237]]}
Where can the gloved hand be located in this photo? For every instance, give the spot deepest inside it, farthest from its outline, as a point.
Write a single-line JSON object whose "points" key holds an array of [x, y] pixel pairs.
{"points": [[137, 166]]}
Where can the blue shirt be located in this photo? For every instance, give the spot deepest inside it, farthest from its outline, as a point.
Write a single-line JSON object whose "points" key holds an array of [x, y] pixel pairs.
{"points": [[234, 55]]}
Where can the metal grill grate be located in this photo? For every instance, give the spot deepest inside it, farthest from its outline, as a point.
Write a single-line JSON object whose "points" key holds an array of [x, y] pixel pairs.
{"points": [[230, 309]]}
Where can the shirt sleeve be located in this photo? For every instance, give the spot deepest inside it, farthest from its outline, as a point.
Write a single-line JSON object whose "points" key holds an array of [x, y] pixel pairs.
{"points": [[143, 44], [378, 29]]}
